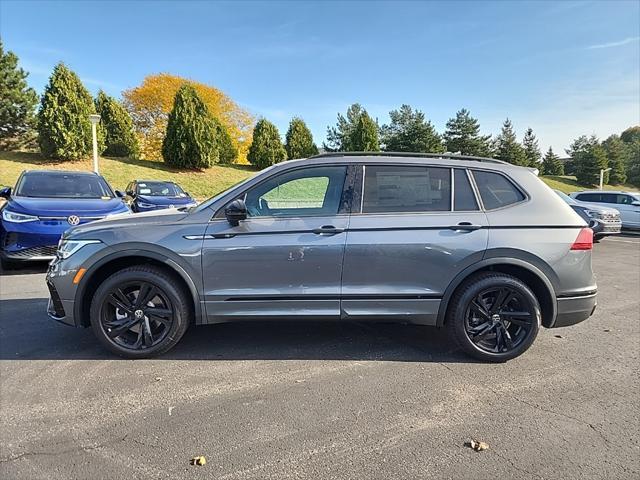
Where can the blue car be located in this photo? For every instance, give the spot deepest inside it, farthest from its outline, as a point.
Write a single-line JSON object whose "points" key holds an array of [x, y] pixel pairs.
{"points": [[147, 195], [46, 203]]}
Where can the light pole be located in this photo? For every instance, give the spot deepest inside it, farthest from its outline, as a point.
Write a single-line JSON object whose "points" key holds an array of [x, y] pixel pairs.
{"points": [[602, 172], [95, 120]]}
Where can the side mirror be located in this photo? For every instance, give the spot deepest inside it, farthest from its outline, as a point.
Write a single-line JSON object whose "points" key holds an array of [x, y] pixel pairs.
{"points": [[5, 192], [635, 203], [236, 211], [119, 194]]}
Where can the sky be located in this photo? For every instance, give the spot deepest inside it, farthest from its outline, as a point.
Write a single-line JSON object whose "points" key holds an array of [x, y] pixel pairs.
{"points": [[564, 68]]}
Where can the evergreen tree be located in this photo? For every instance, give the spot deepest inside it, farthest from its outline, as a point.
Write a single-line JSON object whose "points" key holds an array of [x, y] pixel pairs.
{"points": [[617, 154], [190, 141], [266, 147], [299, 141], [339, 137], [631, 134], [633, 163], [17, 103], [120, 138], [227, 151], [531, 150], [364, 137], [551, 164], [507, 147], [463, 135], [64, 128], [409, 131], [589, 158]]}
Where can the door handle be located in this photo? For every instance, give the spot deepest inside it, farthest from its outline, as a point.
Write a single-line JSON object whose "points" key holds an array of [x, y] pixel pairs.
{"points": [[465, 226], [327, 230]]}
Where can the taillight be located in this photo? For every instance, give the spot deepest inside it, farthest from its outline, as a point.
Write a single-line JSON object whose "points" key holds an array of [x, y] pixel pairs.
{"points": [[584, 241]]}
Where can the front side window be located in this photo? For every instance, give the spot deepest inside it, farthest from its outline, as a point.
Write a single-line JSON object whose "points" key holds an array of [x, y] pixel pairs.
{"points": [[390, 189], [590, 197], [62, 185], [496, 190], [305, 192]]}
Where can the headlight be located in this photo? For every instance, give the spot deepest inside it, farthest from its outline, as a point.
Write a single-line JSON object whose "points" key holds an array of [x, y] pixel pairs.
{"points": [[10, 216], [66, 248], [146, 205], [593, 214]]}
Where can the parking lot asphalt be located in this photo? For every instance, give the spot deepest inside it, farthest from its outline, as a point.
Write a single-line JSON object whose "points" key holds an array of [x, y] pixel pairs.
{"points": [[323, 401]]}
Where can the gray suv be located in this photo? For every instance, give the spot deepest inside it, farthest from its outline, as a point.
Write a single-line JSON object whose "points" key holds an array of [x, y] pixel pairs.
{"points": [[480, 247]]}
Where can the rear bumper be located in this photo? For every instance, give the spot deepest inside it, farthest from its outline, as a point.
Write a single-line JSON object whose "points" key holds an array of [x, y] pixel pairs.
{"points": [[572, 310]]}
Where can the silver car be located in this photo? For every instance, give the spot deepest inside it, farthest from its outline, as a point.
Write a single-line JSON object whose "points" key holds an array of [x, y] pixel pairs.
{"points": [[477, 246], [627, 203]]}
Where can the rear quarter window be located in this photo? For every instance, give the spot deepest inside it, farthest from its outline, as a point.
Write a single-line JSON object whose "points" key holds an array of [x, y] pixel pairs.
{"points": [[496, 190]]}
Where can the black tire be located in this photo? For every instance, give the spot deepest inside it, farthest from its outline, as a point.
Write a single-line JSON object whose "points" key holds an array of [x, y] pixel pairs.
{"points": [[8, 264], [116, 319], [475, 321]]}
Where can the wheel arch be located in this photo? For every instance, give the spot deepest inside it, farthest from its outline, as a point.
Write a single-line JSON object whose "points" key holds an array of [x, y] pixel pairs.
{"points": [[534, 277], [126, 258]]}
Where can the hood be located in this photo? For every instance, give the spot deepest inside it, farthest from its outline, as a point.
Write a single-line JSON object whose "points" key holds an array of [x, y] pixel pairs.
{"points": [[597, 208], [158, 200], [63, 207], [155, 217]]}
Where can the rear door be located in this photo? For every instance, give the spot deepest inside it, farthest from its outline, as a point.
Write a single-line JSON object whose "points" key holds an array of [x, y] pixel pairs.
{"points": [[413, 229]]}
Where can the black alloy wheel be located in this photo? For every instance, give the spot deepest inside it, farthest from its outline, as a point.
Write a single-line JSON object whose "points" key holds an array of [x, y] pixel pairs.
{"points": [[140, 311], [494, 316]]}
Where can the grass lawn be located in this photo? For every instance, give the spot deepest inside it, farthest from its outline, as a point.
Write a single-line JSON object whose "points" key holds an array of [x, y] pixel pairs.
{"points": [[119, 172], [200, 184]]}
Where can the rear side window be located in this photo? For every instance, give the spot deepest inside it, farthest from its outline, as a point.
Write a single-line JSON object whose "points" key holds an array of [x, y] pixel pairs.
{"points": [[464, 198], [390, 189], [496, 190]]}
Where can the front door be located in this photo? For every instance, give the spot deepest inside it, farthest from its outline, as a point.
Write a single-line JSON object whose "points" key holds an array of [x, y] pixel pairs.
{"points": [[410, 236], [285, 259]]}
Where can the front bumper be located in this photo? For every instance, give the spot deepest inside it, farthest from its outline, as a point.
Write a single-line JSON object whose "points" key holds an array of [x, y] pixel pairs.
{"points": [[603, 227], [572, 310]]}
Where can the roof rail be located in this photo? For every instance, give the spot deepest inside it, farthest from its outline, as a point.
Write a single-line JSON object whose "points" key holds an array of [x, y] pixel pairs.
{"points": [[449, 156]]}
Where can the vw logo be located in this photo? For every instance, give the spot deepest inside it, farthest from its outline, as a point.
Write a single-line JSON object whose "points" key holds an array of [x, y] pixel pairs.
{"points": [[138, 314], [73, 220]]}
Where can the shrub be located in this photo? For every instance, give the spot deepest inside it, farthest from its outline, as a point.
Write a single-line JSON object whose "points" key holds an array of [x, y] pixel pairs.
{"points": [[266, 147]]}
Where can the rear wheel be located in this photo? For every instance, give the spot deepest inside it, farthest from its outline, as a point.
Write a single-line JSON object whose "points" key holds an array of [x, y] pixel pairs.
{"points": [[494, 317], [139, 312]]}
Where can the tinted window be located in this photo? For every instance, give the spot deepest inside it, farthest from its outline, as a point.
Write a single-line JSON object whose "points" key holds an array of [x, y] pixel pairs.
{"points": [[589, 197], [406, 189], [464, 199], [62, 185], [309, 191], [495, 190]]}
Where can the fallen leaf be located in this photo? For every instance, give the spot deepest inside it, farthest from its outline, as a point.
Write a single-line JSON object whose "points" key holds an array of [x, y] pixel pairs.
{"points": [[558, 336], [199, 460], [477, 445], [606, 330], [158, 379]]}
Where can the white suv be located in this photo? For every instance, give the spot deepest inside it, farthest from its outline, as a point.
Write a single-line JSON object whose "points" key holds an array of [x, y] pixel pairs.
{"points": [[627, 203]]}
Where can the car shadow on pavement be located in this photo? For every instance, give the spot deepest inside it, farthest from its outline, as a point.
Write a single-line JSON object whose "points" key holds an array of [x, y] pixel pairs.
{"points": [[27, 333], [34, 267]]}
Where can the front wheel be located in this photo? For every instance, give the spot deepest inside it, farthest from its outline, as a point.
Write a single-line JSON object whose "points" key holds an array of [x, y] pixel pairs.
{"points": [[494, 317], [140, 312]]}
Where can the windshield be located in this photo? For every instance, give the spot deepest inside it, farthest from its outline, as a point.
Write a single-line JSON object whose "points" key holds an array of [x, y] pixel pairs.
{"points": [[159, 189], [62, 185], [566, 198]]}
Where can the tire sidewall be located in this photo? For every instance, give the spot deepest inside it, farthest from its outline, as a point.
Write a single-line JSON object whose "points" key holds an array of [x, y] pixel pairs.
{"points": [[469, 292], [162, 282]]}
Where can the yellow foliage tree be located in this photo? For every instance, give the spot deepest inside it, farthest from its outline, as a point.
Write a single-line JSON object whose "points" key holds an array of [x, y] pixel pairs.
{"points": [[151, 102]]}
